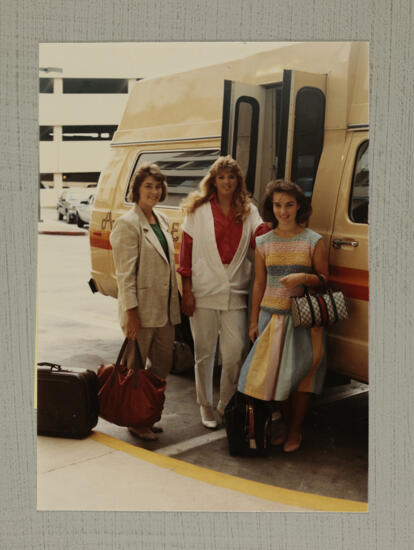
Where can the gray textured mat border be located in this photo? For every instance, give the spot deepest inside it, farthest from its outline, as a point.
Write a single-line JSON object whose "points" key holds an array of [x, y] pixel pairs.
{"points": [[388, 26]]}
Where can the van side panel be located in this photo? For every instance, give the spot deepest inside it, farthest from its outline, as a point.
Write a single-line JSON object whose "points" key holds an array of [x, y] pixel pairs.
{"points": [[101, 225], [327, 183]]}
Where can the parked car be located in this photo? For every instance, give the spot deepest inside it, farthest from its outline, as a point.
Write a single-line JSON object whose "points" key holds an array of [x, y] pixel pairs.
{"points": [[83, 211], [68, 202]]}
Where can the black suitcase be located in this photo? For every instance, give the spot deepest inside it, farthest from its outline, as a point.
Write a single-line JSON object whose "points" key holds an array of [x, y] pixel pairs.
{"points": [[67, 401], [247, 421]]}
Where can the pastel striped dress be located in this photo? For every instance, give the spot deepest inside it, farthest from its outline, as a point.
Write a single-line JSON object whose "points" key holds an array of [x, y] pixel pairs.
{"points": [[284, 358]]}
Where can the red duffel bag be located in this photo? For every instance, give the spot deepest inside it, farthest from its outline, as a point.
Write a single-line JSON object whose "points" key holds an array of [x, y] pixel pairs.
{"points": [[130, 397]]}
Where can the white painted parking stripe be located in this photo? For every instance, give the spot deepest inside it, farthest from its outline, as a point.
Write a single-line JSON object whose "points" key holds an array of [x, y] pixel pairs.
{"points": [[177, 448]]}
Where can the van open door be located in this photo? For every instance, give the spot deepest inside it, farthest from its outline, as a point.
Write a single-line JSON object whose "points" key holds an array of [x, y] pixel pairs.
{"points": [[242, 127], [300, 130], [275, 131]]}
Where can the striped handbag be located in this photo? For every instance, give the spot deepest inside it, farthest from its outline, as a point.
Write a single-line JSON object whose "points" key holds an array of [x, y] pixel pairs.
{"points": [[320, 309]]}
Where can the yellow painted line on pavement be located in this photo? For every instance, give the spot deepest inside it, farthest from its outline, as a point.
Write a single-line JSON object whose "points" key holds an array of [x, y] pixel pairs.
{"points": [[227, 481]]}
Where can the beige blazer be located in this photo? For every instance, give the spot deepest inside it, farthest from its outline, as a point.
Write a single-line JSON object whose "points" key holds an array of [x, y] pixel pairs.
{"points": [[146, 278]]}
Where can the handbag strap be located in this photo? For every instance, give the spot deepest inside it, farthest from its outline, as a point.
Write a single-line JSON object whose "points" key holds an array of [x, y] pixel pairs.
{"points": [[328, 291], [136, 368], [323, 281]]}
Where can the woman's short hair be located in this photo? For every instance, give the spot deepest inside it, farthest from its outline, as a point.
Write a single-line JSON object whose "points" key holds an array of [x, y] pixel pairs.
{"points": [[207, 189], [292, 189], [144, 170]]}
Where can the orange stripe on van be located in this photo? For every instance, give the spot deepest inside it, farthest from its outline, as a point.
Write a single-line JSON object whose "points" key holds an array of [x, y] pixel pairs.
{"points": [[100, 239], [353, 282]]}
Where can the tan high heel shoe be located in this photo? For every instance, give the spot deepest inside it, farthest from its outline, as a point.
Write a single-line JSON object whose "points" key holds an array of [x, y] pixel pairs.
{"points": [[291, 447], [145, 434], [279, 439]]}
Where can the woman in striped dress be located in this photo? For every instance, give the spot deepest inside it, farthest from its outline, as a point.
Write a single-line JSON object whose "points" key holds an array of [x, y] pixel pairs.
{"points": [[285, 364]]}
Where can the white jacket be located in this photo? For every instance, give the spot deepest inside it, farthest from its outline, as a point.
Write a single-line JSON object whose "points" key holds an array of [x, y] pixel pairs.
{"points": [[214, 285]]}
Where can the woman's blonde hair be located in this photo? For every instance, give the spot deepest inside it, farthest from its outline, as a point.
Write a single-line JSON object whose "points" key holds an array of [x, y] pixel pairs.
{"points": [[144, 170], [207, 189]]}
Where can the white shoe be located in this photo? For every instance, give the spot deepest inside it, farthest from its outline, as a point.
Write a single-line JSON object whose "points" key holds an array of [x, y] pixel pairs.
{"points": [[207, 417]]}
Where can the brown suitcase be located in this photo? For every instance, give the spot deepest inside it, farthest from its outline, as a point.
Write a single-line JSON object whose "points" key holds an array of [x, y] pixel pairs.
{"points": [[67, 401]]}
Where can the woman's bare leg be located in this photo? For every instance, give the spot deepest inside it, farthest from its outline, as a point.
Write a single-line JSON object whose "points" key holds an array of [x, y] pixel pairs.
{"points": [[300, 403], [285, 409]]}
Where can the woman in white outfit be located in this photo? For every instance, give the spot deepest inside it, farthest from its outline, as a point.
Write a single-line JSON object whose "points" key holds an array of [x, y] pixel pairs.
{"points": [[218, 228]]}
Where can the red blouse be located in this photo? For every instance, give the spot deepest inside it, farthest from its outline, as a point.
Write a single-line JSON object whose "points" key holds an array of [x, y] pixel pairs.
{"points": [[228, 233]]}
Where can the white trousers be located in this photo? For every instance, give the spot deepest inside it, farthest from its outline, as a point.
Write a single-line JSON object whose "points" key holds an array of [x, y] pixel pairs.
{"points": [[206, 325]]}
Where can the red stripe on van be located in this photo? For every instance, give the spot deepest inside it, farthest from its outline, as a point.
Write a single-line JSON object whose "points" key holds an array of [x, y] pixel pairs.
{"points": [[100, 239], [353, 282]]}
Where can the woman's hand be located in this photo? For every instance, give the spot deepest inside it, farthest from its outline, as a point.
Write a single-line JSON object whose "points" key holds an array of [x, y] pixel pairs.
{"points": [[188, 303], [133, 324], [293, 280], [253, 332]]}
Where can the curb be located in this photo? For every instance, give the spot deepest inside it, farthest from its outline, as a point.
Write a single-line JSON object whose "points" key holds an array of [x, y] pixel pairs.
{"points": [[51, 232]]}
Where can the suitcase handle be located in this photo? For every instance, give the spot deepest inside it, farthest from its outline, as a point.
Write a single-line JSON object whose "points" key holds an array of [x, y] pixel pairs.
{"points": [[53, 366]]}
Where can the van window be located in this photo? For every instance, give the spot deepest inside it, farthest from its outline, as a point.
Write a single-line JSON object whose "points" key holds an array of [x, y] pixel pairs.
{"points": [[246, 124], [359, 200], [183, 170], [307, 137]]}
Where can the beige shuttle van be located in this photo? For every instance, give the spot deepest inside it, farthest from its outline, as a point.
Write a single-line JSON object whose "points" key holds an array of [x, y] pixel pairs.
{"points": [[299, 112]]}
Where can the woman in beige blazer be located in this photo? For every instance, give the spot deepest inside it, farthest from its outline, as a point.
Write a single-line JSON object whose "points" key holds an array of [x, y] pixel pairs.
{"points": [[143, 254]]}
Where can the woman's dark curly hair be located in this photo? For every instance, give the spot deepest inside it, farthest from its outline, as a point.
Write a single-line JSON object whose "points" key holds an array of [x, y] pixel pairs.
{"points": [[144, 170], [292, 189]]}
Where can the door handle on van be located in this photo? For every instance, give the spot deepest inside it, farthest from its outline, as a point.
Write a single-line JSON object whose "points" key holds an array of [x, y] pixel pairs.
{"points": [[337, 243]]}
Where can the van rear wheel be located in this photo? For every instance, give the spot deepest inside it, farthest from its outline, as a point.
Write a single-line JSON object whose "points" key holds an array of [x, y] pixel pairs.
{"points": [[79, 221]]}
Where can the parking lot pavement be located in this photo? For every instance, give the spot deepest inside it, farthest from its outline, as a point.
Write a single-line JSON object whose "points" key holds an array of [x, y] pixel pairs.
{"points": [[79, 329], [101, 473]]}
